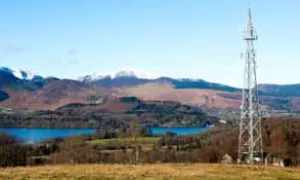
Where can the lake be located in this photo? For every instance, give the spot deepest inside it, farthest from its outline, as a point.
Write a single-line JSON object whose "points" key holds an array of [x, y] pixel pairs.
{"points": [[179, 130], [38, 135]]}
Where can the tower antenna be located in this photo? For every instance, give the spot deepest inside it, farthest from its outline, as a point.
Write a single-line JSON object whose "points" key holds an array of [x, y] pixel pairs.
{"points": [[250, 148]]}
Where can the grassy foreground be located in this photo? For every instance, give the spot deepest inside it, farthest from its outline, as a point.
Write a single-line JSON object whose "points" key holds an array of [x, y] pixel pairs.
{"points": [[152, 171]]}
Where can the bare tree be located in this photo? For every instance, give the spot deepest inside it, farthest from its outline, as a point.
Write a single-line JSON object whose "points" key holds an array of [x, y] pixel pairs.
{"points": [[134, 129]]}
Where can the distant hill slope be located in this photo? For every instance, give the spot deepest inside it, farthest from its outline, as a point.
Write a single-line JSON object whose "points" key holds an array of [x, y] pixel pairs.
{"points": [[54, 94], [196, 97], [280, 90], [116, 113], [186, 83]]}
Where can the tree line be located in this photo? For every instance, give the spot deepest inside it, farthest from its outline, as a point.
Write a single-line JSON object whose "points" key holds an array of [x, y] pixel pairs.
{"points": [[281, 138]]}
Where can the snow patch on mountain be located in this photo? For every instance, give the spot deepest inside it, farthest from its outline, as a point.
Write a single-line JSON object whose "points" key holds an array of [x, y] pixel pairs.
{"points": [[21, 74], [133, 73]]}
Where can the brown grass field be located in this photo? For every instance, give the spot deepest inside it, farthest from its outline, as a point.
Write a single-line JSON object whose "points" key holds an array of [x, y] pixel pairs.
{"points": [[151, 171]]}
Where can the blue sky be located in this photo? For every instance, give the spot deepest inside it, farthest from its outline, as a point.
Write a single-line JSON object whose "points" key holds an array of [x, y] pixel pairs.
{"points": [[177, 38]]}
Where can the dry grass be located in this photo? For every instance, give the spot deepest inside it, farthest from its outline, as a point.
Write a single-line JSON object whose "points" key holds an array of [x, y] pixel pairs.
{"points": [[153, 171]]}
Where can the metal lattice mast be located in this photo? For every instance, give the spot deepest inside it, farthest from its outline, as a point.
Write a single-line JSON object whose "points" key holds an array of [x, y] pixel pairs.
{"points": [[250, 138]]}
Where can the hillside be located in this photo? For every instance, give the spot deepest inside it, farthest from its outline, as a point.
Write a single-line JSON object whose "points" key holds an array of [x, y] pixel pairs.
{"points": [[54, 94], [288, 90], [110, 113], [208, 99], [151, 171], [195, 97]]}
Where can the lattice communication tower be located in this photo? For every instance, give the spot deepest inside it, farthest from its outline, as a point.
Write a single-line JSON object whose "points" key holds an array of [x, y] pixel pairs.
{"points": [[250, 148]]}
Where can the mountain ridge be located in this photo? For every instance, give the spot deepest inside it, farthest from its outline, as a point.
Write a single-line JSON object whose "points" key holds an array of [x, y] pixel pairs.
{"points": [[33, 91]]}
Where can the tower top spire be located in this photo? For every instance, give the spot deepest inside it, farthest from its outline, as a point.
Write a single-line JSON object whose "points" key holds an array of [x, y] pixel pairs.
{"points": [[250, 34], [250, 24]]}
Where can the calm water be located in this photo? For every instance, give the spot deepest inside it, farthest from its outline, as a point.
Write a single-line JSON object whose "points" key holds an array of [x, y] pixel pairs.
{"points": [[179, 131], [38, 135]]}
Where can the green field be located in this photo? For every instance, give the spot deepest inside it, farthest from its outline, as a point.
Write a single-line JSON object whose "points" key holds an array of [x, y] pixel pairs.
{"points": [[8, 111], [151, 171], [142, 140]]}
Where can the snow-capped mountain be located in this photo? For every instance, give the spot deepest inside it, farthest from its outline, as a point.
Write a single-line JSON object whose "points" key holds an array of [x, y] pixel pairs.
{"points": [[133, 77], [20, 74], [123, 78], [124, 73]]}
